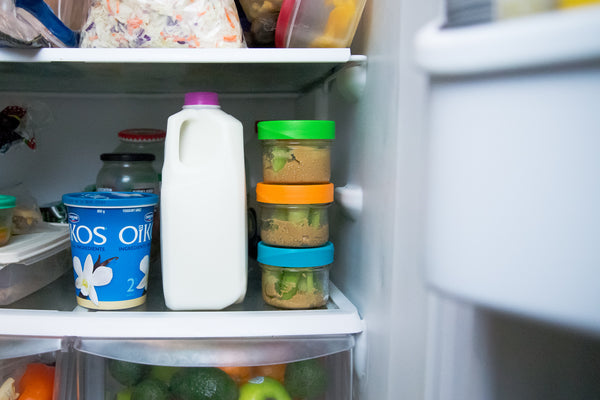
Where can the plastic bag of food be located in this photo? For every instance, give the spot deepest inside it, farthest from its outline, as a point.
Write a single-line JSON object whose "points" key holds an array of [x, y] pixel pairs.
{"points": [[14, 32], [162, 23]]}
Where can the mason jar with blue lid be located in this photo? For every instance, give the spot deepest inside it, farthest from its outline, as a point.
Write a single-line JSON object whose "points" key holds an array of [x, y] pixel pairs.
{"points": [[295, 278], [111, 236]]}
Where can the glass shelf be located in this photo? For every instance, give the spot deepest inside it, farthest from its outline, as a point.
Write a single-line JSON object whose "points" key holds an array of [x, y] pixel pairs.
{"points": [[167, 71], [53, 312]]}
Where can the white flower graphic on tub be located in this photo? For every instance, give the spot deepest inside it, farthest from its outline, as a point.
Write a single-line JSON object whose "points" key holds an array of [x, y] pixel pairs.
{"points": [[88, 277], [144, 267]]}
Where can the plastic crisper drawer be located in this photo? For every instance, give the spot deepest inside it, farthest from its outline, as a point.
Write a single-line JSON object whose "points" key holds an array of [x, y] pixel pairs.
{"points": [[33, 365], [31, 261], [321, 366]]}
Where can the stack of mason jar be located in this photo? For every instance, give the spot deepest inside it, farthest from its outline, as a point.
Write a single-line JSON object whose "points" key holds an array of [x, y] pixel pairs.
{"points": [[295, 253]]}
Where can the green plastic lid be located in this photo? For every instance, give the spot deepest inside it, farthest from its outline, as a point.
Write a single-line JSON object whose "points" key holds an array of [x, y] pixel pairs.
{"points": [[7, 201], [296, 129]]}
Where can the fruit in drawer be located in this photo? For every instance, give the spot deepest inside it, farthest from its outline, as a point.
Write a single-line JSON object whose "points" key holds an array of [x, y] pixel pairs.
{"points": [[275, 371], [163, 373], [150, 389], [263, 388], [203, 383], [238, 374], [127, 373], [37, 383], [305, 379]]}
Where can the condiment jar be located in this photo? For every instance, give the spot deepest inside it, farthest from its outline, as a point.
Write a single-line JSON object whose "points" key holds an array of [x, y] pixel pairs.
{"points": [[295, 278], [296, 151], [7, 205], [144, 141], [294, 215], [127, 172]]}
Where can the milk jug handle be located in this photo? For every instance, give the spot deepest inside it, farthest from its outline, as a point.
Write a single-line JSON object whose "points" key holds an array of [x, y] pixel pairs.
{"points": [[172, 139]]}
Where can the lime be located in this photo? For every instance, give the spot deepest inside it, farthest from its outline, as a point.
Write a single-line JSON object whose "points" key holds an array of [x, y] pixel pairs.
{"points": [[124, 394], [127, 373], [150, 389], [203, 383], [163, 373], [305, 379]]}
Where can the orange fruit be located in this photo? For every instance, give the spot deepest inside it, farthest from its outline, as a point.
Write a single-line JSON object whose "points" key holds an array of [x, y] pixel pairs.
{"points": [[240, 375], [275, 371]]}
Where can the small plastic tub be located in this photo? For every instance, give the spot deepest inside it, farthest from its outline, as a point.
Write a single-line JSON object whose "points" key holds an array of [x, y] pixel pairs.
{"points": [[7, 206], [111, 235], [318, 23], [295, 278], [296, 151], [294, 215]]}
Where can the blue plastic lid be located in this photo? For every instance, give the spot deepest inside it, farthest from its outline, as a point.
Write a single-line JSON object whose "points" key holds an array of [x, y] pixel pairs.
{"points": [[295, 258], [110, 199]]}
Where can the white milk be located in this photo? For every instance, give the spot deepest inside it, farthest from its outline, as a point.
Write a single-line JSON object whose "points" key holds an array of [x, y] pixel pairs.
{"points": [[203, 208]]}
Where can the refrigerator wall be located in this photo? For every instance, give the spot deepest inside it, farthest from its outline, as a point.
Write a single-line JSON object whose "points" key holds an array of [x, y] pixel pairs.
{"points": [[510, 208]]}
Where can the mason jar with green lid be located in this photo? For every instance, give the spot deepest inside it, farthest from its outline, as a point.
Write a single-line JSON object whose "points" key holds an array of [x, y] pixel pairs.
{"points": [[296, 151], [7, 206]]}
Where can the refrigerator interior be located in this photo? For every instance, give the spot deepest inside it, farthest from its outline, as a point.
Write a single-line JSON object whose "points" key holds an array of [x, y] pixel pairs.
{"points": [[414, 345]]}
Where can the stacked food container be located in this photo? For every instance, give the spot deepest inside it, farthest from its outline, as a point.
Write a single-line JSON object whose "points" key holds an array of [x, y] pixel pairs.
{"points": [[295, 253]]}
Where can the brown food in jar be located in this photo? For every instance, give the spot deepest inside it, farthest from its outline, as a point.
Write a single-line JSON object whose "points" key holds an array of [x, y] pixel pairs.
{"points": [[293, 234], [296, 164]]}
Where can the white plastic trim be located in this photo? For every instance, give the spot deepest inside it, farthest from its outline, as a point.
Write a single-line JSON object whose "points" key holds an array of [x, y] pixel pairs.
{"points": [[213, 324], [551, 38]]}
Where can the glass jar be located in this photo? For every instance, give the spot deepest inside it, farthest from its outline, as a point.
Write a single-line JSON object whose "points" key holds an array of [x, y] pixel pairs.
{"points": [[295, 278], [144, 141], [127, 172], [296, 152], [294, 215]]}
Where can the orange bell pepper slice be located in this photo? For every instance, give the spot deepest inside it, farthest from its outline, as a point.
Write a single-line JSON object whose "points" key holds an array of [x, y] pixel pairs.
{"points": [[37, 383]]}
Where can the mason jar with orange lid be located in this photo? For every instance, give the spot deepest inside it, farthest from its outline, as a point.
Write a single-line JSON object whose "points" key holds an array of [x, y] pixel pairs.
{"points": [[294, 215]]}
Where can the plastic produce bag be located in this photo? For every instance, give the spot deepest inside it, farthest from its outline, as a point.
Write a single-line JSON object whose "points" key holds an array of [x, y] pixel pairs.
{"points": [[162, 23], [14, 32], [32, 23]]}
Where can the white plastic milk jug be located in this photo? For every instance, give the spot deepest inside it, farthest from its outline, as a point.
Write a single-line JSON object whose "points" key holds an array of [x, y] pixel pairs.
{"points": [[203, 207]]}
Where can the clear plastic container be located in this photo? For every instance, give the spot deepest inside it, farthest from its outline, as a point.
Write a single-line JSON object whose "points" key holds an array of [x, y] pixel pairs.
{"points": [[127, 172], [241, 360], [295, 278], [318, 23], [7, 206], [144, 141], [296, 151], [294, 215], [33, 260]]}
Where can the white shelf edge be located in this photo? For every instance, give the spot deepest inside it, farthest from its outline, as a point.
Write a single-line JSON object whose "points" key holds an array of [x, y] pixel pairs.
{"points": [[209, 324], [551, 38], [122, 55]]}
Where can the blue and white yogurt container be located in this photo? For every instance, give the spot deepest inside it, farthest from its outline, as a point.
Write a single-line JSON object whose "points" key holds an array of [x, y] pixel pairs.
{"points": [[111, 235]]}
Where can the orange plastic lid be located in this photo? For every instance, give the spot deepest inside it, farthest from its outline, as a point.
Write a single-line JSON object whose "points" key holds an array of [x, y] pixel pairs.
{"points": [[294, 194]]}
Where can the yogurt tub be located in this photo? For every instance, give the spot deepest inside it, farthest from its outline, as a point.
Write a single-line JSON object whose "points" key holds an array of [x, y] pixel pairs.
{"points": [[296, 151], [294, 215], [295, 278], [7, 206], [111, 235]]}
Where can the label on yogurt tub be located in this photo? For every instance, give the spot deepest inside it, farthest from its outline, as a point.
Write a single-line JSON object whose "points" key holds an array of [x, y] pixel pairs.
{"points": [[111, 234]]}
